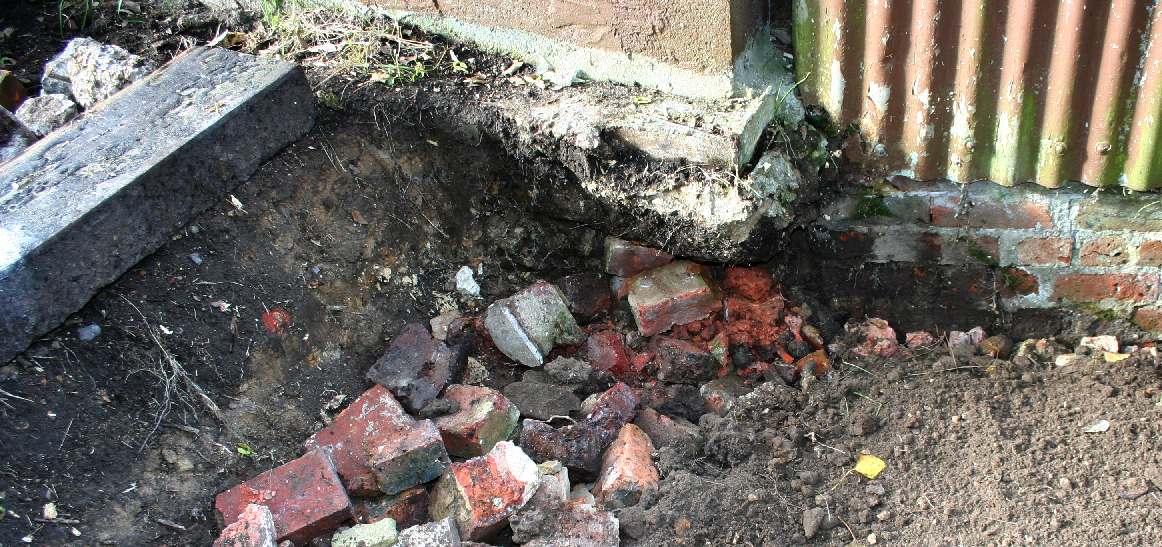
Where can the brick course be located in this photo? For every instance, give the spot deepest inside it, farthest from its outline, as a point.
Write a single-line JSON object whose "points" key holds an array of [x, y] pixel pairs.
{"points": [[1045, 251]]}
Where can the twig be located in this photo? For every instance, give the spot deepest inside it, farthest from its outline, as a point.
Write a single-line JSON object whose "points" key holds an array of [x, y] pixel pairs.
{"points": [[57, 521], [66, 435], [14, 396], [170, 524]]}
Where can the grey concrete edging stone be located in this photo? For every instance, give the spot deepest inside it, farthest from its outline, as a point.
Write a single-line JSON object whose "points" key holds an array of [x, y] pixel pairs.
{"points": [[86, 203]]}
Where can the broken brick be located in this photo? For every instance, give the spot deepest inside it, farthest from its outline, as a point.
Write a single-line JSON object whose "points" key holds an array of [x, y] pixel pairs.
{"points": [[305, 497], [578, 446], [485, 418], [682, 362], [579, 525], [664, 430], [529, 324], [542, 401], [673, 294], [879, 338], [625, 259], [754, 283], [381, 533], [417, 367], [254, 528], [614, 408], [406, 456], [607, 353], [627, 470], [530, 521], [588, 294], [375, 416], [481, 493], [442, 533], [407, 508], [919, 339]]}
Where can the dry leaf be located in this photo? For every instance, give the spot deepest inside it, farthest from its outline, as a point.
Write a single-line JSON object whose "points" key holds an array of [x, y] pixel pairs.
{"points": [[869, 466], [1112, 357]]}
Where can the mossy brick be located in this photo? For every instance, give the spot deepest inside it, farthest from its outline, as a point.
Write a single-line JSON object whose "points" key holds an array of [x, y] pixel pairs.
{"points": [[481, 493], [1113, 213], [381, 533], [485, 418], [529, 324], [305, 496], [404, 457], [674, 294], [407, 508], [991, 213], [625, 259], [90, 200], [254, 528]]}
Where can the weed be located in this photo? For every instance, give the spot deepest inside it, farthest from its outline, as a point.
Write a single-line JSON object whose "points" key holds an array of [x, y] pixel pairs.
{"points": [[871, 207], [245, 450], [73, 14]]}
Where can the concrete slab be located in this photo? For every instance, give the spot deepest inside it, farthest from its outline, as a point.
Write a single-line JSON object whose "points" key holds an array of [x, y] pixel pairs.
{"points": [[84, 204]]}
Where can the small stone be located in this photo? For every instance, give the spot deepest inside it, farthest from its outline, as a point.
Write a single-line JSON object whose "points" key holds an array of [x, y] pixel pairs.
{"points": [[568, 371], [627, 470], [440, 324], [407, 508], [46, 113], [91, 71], [529, 324], [254, 528], [485, 418], [417, 367], [997, 346], [466, 282], [587, 294], [381, 533], [1097, 345], [682, 362], [305, 497], [88, 333], [542, 401], [375, 421], [442, 533], [481, 493], [674, 294], [475, 373], [625, 259], [879, 338], [863, 424], [813, 520]]}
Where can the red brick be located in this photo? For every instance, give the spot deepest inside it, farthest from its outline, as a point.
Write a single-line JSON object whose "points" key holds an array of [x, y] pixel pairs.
{"points": [[1104, 251], [481, 493], [1150, 253], [1098, 287], [992, 214], [1148, 318], [305, 497], [608, 353], [1045, 251], [375, 416], [625, 259], [627, 470], [485, 418], [407, 508], [406, 456], [664, 430], [674, 294], [1018, 282], [254, 528]]}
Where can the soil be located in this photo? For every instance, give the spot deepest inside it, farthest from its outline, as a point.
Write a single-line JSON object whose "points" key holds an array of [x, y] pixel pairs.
{"points": [[358, 229]]}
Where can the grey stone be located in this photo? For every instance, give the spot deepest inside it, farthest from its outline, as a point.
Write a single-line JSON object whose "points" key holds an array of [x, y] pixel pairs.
{"points": [[529, 324], [380, 533], [91, 72], [417, 367], [542, 401], [45, 113], [14, 138], [568, 370], [442, 533], [98, 195], [538, 517]]}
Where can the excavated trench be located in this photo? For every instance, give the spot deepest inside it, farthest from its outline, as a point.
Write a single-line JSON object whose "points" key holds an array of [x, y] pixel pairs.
{"points": [[275, 307]]}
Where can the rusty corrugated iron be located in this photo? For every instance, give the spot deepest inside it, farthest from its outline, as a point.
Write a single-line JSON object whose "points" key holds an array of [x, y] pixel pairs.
{"points": [[1007, 91]]}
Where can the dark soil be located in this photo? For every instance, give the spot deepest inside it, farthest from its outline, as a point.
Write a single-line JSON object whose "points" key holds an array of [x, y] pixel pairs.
{"points": [[358, 229]]}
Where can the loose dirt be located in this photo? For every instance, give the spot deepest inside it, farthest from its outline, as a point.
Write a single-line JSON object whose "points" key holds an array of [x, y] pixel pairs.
{"points": [[359, 228]]}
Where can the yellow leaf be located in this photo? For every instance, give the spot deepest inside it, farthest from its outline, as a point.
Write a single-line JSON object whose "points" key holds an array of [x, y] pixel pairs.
{"points": [[869, 466], [1115, 357]]}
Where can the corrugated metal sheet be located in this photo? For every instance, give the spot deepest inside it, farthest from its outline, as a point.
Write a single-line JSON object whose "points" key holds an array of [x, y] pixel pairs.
{"points": [[1008, 91]]}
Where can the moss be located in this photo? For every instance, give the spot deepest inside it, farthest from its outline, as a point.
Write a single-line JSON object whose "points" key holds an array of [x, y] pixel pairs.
{"points": [[1104, 314], [872, 207], [980, 254]]}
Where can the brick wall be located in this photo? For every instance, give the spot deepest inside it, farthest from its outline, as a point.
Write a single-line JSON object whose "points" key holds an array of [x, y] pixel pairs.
{"points": [[951, 256]]}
